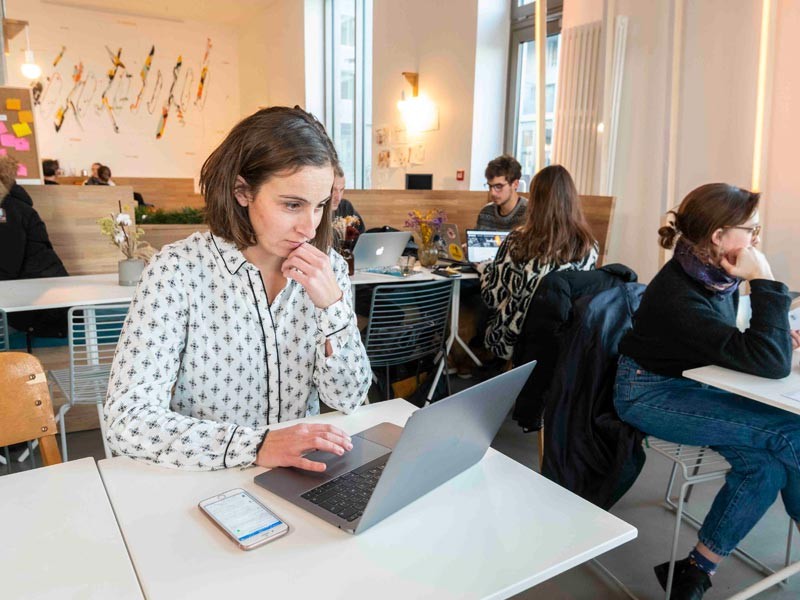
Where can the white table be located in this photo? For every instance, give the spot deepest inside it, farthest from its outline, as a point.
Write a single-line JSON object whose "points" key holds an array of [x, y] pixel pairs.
{"points": [[61, 292], [422, 274], [767, 391], [59, 538], [492, 531]]}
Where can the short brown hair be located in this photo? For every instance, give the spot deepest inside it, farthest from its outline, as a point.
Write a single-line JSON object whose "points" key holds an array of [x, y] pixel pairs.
{"points": [[504, 166], [704, 210], [8, 171], [555, 230], [272, 142]]}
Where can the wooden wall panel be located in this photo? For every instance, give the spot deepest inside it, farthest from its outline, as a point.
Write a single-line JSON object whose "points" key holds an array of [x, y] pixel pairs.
{"points": [[70, 214], [162, 192]]}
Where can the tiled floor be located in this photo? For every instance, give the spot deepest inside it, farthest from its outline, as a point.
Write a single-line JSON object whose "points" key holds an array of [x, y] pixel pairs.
{"points": [[632, 563]]}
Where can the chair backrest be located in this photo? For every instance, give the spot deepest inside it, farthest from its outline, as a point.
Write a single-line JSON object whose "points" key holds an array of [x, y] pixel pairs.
{"points": [[407, 321], [26, 412], [4, 334], [93, 335]]}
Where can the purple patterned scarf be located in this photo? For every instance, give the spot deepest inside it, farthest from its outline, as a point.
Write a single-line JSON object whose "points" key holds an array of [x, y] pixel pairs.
{"points": [[714, 279]]}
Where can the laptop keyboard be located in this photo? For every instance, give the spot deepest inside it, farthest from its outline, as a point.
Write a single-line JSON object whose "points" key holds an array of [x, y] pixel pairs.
{"points": [[347, 495]]}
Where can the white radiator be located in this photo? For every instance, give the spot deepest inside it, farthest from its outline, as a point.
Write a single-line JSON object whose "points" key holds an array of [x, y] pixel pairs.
{"points": [[579, 105]]}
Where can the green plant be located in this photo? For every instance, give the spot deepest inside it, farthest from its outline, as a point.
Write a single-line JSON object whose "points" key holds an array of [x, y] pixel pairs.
{"points": [[184, 216]]}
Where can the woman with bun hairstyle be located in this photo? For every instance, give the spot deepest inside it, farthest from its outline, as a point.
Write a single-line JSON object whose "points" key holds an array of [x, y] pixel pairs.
{"points": [[687, 319]]}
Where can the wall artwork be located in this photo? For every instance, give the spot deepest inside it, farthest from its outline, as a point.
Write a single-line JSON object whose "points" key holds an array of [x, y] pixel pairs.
{"points": [[113, 99]]}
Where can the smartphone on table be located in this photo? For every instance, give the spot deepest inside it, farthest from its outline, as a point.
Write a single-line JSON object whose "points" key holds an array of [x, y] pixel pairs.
{"points": [[243, 518]]}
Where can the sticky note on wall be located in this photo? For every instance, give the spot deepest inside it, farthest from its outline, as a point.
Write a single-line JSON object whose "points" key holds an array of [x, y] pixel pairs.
{"points": [[13, 104], [21, 129], [22, 144], [25, 116], [22, 170], [3, 128], [8, 140]]}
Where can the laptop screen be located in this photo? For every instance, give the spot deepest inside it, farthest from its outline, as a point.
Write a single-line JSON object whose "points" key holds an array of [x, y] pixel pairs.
{"points": [[483, 245]]}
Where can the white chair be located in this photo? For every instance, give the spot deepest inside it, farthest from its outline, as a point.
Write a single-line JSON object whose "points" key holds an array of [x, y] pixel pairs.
{"points": [[93, 335], [697, 465]]}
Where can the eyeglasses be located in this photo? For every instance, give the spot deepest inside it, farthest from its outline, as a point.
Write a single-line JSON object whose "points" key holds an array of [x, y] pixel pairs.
{"points": [[497, 187], [753, 231]]}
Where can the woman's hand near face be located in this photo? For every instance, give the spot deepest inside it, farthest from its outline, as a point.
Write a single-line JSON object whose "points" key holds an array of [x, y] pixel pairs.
{"points": [[312, 269], [747, 263], [285, 447]]}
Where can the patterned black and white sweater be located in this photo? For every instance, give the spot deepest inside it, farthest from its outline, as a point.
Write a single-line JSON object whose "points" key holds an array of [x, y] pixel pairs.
{"points": [[206, 363], [507, 287]]}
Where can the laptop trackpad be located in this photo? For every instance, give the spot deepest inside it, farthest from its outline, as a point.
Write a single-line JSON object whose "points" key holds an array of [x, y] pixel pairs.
{"points": [[363, 451]]}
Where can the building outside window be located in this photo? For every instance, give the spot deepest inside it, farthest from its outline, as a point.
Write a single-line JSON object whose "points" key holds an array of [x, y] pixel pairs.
{"points": [[348, 85]]}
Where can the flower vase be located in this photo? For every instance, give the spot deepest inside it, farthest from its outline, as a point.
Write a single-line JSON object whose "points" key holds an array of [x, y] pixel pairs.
{"points": [[427, 254], [130, 270]]}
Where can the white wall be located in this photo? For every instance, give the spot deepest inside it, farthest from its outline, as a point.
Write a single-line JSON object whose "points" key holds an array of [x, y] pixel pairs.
{"points": [[271, 50], [641, 149], [491, 75], [134, 151], [438, 41], [781, 195]]}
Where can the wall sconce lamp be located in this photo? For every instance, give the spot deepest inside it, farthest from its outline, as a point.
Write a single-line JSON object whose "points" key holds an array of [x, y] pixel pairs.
{"points": [[12, 27], [419, 113]]}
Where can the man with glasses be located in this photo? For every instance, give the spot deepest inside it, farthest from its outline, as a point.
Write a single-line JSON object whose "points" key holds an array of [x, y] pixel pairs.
{"points": [[506, 211]]}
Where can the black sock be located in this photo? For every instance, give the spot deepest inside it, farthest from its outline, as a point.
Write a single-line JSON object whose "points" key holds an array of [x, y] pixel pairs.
{"points": [[708, 566]]}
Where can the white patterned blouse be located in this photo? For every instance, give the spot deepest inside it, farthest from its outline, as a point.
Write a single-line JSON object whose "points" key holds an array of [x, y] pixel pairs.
{"points": [[206, 363]]}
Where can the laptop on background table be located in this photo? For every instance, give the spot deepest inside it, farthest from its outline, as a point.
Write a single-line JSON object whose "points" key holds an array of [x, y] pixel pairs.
{"points": [[389, 466], [482, 245], [379, 250]]}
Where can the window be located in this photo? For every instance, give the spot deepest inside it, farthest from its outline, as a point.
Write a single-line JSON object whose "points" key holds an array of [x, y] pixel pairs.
{"points": [[521, 110], [348, 85]]}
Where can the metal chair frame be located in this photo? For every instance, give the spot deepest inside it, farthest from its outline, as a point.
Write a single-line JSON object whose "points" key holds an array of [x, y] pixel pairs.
{"points": [[698, 464], [93, 335], [407, 322]]}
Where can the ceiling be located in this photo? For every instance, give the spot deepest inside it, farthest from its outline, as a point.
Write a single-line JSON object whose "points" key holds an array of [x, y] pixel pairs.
{"points": [[229, 12]]}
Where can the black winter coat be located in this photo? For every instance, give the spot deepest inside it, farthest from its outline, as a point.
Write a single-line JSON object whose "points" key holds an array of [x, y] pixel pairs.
{"points": [[588, 449]]}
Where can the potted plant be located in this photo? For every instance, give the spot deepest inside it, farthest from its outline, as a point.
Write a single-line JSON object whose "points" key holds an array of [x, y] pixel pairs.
{"points": [[126, 235]]}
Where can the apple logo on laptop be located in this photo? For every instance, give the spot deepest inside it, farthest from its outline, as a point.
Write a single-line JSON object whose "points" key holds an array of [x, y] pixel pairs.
{"points": [[379, 251]]}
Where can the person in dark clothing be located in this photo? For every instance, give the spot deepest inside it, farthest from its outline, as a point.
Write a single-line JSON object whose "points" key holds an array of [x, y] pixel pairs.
{"points": [[26, 253], [50, 170], [341, 206], [687, 319]]}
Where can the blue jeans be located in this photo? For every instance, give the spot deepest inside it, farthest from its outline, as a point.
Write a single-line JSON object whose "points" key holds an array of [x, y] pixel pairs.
{"points": [[761, 443]]}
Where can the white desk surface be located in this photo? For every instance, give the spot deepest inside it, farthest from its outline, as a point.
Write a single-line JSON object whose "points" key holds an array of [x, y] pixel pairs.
{"points": [[59, 538], [60, 292], [768, 391], [366, 277], [492, 531]]}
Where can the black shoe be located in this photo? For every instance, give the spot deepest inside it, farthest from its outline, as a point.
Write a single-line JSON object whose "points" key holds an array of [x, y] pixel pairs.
{"points": [[690, 582]]}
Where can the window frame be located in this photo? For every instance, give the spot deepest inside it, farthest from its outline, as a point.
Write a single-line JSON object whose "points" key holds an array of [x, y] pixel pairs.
{"points": [[360, 177], [522, 31]]}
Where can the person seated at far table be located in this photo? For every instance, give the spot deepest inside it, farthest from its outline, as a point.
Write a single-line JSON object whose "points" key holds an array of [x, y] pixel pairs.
{"points": [[26, 252], [687, 319], [50, 170], [342, 207], [554, 237], [249, 324], [506, 211]]}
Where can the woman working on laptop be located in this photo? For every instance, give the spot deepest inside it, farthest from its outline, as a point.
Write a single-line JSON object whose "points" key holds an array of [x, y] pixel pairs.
{"points": [[687, 319], [248, 325], [555, 237]]}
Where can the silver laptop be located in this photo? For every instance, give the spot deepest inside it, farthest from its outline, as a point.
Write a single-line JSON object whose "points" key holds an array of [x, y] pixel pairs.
{"points": [[389, 466], [379, 250], [483, 244]]}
